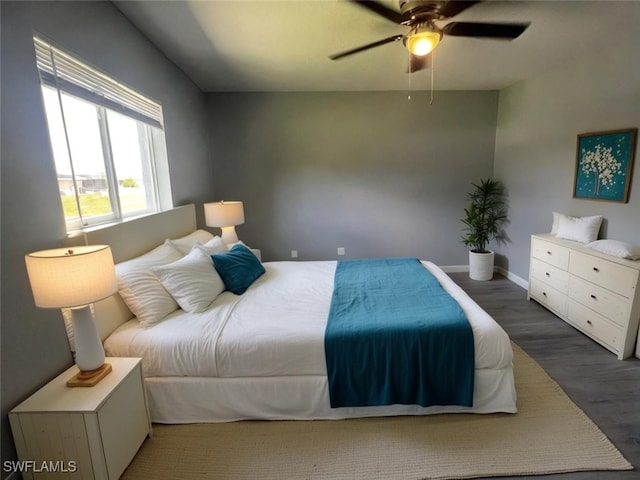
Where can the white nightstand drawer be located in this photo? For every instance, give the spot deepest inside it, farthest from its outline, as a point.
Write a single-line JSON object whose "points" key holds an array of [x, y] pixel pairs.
{"points": [[548, 296], [616, 278], [551, 253], [558, 279], [595, 325], [603, 301]]}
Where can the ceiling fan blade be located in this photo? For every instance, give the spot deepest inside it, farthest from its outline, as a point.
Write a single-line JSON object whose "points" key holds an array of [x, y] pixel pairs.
{"points": [[380, 9], [417, 63], [365, 47], [506, 31]]}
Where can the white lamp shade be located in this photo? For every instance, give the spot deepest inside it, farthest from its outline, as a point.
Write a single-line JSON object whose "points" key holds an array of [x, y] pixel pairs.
{"points": [[223, 214], [71, 277]]}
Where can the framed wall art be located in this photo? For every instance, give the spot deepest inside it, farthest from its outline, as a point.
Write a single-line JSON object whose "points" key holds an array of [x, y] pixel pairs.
{"points": [[604, 165]]}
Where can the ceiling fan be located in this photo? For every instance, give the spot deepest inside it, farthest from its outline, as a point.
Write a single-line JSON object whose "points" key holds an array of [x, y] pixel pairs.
{"points": [[420, 16]]}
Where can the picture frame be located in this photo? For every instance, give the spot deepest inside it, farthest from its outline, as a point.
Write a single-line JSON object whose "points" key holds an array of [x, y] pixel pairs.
{"points": [[604, 165]]}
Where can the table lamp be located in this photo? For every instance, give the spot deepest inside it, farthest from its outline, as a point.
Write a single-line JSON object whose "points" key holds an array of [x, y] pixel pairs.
{"points": [[225, 215], [74, 278]]}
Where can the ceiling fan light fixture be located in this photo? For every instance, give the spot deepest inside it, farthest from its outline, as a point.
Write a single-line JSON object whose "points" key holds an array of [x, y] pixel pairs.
{"points": [[422, 40]]}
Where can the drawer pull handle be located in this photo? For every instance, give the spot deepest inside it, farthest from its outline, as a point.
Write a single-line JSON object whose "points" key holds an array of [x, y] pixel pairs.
{"points": [[593, 296], [548, 252], [547, 274], [589, 322], [544, 294], [595, 269]]}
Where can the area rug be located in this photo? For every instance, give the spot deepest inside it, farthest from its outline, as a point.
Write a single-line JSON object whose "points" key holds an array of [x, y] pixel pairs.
{"points": [[549, 434]]}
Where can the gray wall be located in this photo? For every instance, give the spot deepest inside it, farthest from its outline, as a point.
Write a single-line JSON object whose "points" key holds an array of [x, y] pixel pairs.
{"points": [[538, 123], [371, 172], [34, 345]]}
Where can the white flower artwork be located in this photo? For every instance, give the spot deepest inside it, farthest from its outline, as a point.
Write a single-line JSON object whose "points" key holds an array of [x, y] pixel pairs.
{"points": [[603, 165]]}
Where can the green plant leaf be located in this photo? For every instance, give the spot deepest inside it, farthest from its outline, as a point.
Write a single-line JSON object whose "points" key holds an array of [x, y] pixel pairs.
{"points": [[486, 216]]}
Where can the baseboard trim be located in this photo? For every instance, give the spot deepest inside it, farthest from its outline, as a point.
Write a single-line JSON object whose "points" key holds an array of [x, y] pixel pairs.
{"points": [[521, 282]]}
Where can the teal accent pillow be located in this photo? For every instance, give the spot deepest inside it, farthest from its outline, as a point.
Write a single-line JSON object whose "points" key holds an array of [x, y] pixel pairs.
{"points": [[238, 268]]}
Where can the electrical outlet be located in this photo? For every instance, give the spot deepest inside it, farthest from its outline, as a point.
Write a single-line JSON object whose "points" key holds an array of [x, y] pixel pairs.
{"points": [[341, 251], [294, 253]]}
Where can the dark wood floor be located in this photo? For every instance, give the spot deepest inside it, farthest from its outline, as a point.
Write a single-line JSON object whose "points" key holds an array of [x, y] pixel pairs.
{"points": [[605, 388]]}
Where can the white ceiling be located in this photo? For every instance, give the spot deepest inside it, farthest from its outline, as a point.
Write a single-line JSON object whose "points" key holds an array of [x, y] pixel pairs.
{"points": [[264, 45]]}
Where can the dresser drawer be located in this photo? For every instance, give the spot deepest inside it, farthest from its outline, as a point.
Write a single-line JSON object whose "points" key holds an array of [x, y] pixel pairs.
{"points": [[617, 278], [595, 325], [548, 252], [548, 296], [599, 299], [558, 279]]}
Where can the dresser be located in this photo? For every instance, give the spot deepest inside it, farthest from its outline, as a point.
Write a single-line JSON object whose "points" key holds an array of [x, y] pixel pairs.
{"points": [[596, 293]]}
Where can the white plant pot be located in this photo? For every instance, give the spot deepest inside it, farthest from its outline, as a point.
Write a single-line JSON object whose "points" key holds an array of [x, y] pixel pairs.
{"points": [[481, 265]]}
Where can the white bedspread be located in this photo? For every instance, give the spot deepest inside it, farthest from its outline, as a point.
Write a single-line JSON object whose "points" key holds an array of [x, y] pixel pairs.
{"points": [[276, 328]]}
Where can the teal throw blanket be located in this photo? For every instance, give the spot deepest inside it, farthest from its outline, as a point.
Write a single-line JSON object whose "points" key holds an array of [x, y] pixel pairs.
{"points": [[395, 336]]}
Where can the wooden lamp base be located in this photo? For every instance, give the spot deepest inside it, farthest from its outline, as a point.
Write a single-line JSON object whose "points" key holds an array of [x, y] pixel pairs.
{"points": [[89, 378]]}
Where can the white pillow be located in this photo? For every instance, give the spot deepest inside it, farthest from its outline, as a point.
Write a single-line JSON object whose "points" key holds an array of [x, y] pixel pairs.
{"points": [[580, 229], [556, 222], [231, 245], [616, 248], [140, 289], [192, 281], [215, 245], [186, 243]]}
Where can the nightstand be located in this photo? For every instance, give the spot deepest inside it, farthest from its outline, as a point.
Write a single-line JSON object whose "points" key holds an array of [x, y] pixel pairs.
{"points": [[91, 432]]}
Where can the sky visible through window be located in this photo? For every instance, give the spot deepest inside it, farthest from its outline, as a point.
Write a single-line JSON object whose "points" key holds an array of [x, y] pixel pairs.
{"points": [[84, 138]]}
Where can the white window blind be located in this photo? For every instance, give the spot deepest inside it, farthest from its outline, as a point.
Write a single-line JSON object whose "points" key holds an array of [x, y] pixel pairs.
{"points": [[65, 72]]}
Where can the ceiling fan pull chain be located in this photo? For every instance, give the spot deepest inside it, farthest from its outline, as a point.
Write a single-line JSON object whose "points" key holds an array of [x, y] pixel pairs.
{"points": [[433, 64], [409, 96]]}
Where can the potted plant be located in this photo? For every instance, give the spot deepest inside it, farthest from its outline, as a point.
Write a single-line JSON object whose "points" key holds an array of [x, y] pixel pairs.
{"points": [[484, 221]]}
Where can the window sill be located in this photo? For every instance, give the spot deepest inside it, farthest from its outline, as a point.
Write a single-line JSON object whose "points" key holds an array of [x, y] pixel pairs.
{"points": [[80, 232]]}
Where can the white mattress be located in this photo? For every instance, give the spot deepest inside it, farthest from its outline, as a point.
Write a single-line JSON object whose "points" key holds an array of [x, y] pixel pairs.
{"points": [[275, 329]]}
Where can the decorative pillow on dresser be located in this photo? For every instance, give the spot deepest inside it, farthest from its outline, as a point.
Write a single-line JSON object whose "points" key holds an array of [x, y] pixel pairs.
{"points": [[616, 248], [579, 229]]}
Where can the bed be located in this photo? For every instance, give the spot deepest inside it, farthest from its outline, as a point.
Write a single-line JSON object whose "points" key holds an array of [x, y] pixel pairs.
{"points": [[260, 355]]}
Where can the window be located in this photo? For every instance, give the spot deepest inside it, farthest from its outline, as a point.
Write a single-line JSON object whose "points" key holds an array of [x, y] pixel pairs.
{"points": [[107, 142]]}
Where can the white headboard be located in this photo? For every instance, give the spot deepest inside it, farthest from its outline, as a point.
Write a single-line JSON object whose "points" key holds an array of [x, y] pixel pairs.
{"points": [[130, 239]]}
